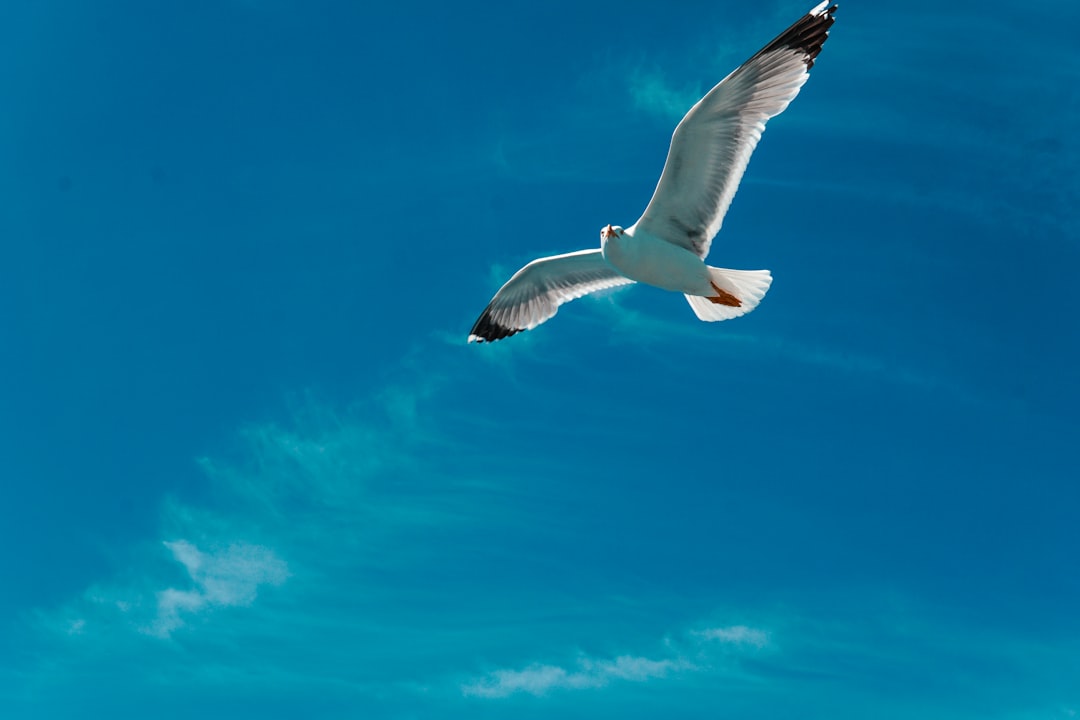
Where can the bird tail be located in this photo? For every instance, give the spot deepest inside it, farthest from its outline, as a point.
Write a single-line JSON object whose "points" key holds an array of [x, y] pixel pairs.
{"points": [[737, 293]]}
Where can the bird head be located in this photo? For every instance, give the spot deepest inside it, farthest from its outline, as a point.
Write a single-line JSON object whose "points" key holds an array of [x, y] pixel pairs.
{"points": [[609, 232]]}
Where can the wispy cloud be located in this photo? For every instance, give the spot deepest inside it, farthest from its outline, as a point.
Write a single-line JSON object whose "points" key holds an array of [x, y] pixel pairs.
{"points": [[697, 654], [586, 673], [226, 578], [353, 480], [736, 635], [651, 91], [361, 505], [643, 327], [703, 59], [144, 603]]}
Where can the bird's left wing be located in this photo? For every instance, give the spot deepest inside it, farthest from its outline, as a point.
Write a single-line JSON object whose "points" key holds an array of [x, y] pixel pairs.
{"points": [[536, 291], [712, 144]]}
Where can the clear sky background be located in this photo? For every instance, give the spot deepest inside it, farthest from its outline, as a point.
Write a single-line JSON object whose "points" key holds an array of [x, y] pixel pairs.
{"points": [[250, 467]]}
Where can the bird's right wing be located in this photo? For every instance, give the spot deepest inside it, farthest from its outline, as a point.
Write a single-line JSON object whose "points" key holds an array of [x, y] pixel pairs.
{"points": [[712, 144], [535, 292]]}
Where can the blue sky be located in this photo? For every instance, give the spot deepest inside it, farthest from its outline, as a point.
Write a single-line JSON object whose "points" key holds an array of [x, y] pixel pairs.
{"points": [[251, 466]]}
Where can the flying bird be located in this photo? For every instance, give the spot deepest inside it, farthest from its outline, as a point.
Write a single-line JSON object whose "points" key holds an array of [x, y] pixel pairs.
{"points": [[668, 244]]}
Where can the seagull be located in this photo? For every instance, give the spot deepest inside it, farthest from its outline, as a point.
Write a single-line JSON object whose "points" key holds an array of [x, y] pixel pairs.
{"points": [[667, 246]]}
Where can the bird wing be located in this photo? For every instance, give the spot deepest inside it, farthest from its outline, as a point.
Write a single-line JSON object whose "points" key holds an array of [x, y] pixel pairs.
{"points": [[535, 292], [712, 144]]}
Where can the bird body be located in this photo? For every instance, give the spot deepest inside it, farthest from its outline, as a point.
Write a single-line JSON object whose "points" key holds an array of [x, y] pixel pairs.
{"points": [[643, 257], [667, 246]]}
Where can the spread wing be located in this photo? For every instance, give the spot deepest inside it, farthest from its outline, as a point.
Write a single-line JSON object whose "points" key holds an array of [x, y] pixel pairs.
{"points": [[536, 291], [712, 144]]}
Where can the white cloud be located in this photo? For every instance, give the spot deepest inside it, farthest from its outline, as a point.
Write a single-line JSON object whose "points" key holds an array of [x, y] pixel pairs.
{"points": [[735, 635], [697, 655], [637, 669], [535, 680], [588, 673], [227, 578], [325, 480], [144, 603], [171, 603]]}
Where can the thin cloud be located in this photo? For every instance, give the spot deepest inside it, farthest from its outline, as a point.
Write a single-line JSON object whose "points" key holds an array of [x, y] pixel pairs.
{"points": [[643, 327], [143, 604], [324, 479], [705, 58], [701, 652], [587, 673], [652, 92], [735, 635], [328, 492], [228, 578]]}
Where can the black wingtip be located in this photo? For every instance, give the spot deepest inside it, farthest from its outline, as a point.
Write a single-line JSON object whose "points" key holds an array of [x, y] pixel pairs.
{"points": [[807, 34], [487, 329]]}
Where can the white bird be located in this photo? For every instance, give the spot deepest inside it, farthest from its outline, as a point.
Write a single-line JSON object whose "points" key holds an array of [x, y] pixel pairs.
{"points": [[668, 244]]}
